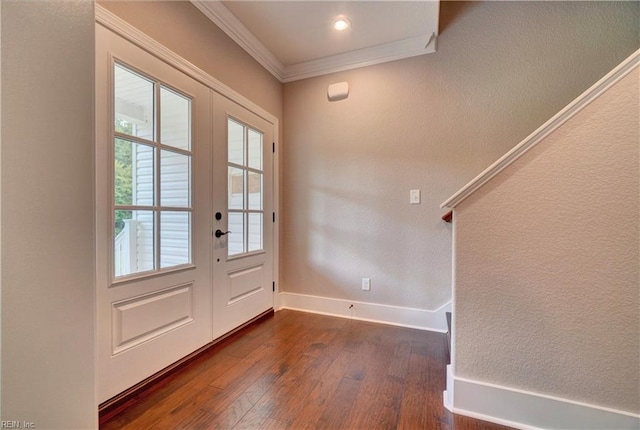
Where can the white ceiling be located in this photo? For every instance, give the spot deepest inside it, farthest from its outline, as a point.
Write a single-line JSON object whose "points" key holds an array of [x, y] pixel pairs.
{"points": [[294, 39]]}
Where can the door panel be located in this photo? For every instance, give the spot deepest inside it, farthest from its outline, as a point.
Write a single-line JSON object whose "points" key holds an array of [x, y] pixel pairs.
{"points": [[153, 201], [243, 194]]}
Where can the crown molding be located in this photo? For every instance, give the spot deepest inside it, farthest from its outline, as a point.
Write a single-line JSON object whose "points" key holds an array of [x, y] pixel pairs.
{"points": [[227, 22], [223, 18], [572, 109], [361, 58]]}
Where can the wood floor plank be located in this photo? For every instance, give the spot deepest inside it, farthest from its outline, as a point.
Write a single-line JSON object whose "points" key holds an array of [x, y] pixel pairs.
{"points": [[282, 401], [301, 371], [247, 385], [400, 361], [378, 405], [159, 407], [234, 413], [247, 392], [270, 424], [293, 392], [199, 420], [319, 398], [418, 406], [187, 413], [337, 411], [243, 366]]}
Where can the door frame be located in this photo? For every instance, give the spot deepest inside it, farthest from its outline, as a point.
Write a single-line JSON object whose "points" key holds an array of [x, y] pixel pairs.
{"points": [[140, 39]]}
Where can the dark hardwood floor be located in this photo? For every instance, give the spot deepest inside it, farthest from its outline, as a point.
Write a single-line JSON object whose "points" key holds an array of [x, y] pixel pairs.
{"points": [[303, 371]]}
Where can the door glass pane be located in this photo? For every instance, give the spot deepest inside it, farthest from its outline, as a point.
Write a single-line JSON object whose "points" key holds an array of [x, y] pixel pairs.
{"points": [[175, 119], [255, 191], [175, 179], [255, 149], [151, 175], [133, 173], [255, 232], [236, 188], [175, 238], [236, 237], [246, 184], [134, 103], [133, 242], [235, 140]]}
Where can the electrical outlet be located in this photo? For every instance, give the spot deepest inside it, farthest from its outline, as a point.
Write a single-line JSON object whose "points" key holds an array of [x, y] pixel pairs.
{"points": [[366, 284]]}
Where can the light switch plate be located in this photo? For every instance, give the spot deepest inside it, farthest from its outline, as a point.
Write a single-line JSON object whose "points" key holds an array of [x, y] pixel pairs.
{"points": [[414, 197]]}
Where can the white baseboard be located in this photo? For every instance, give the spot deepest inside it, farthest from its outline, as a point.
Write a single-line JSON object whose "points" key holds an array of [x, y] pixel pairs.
{"points": [[527, 410], [372, 312], [447, 395]]}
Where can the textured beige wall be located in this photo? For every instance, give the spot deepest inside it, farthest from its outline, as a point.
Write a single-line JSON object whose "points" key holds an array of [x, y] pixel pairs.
{"points": [[547, 258], [430, 123], [47, 214], [183, 29]]}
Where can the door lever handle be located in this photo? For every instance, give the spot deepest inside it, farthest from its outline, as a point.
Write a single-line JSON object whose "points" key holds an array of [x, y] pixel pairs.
{"points": [[220, 233]]}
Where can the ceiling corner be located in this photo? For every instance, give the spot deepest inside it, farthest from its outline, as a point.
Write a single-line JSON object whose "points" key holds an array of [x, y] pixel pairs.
{"points": [[227, 22]]}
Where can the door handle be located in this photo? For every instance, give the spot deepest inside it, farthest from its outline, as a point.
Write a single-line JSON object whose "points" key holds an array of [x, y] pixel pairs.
{"points": [[220, 233]]}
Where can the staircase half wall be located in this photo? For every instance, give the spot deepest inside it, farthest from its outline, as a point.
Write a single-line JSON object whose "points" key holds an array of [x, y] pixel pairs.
{"points": [[546, 309]]}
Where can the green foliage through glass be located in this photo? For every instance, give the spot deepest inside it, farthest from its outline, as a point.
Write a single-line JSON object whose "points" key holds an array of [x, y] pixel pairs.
{"points": [[122, 179]]}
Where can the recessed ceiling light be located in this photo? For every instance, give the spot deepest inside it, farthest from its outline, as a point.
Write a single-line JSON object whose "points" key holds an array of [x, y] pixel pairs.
{"points": [[341, 23]]}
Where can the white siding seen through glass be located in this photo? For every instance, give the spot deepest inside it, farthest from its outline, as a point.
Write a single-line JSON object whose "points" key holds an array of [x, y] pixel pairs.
{"points": [[152, 217]]}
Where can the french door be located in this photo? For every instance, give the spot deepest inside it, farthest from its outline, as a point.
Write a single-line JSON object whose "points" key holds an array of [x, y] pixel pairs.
{"points": [[152, 214], [242, 196], [176, 162]]}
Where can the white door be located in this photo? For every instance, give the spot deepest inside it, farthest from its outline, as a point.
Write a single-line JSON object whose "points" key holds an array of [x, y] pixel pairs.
{"points": [[153, 219], [243, 201]]}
